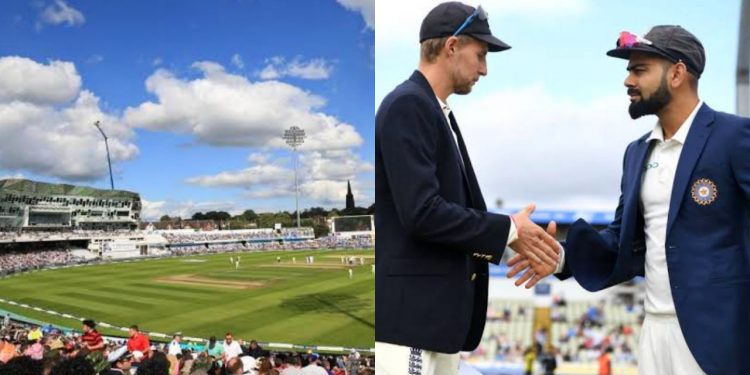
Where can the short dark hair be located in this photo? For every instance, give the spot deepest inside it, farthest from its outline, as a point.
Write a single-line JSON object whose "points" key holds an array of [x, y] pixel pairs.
{"points": [[135, 327], [296, 360], [234, 364], [74, 366], [89, 322], [22, 365], [281, 358], [156, 365], [430, 48]]}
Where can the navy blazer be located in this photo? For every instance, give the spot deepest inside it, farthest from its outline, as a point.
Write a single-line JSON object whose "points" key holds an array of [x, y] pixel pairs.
{"points": [[434, 235], [707, 245]]}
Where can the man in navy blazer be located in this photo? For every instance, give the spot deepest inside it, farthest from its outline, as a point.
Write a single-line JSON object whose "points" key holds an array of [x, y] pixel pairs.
{"points": [[682, 219], [434, 235]]}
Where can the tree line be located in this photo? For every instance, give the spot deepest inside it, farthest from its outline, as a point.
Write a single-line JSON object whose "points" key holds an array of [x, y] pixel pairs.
{"points": [[314, 217]]}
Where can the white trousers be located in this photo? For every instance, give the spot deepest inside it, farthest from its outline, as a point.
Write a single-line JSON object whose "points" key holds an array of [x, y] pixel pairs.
{"points": [[393, 359], [663, 350]]}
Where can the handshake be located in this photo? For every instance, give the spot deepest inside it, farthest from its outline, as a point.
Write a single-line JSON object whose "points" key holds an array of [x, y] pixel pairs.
{"points": [[538, 252]]}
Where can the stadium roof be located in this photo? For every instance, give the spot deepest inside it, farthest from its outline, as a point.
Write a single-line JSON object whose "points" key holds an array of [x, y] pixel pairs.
{"points": [[28, 186]]}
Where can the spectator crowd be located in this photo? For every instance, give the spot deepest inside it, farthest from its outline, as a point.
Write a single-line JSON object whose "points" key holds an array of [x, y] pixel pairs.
{"points": [[19, 261], [580, 332], [30, 350]]}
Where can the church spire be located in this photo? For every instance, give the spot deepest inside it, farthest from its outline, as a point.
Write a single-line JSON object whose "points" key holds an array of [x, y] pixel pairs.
{"points": [[349, 196]]}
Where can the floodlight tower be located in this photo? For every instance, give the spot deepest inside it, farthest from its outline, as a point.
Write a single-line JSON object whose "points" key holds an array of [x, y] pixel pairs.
{"points": [[295, 137], [106, 145]]}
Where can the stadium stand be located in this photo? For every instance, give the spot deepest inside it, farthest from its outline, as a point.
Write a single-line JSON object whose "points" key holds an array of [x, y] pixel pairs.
{"points": [[579, 331], [26, 204], [43, 349], [583, 330], [51, 225], [12, 262], [28, 251], [81, 246]]}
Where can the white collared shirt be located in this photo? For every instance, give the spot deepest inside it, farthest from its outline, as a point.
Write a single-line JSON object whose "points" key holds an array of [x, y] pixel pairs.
{"points": [[656, 192], [174, 348], [512, 234], [446, 112], [231, 350]]}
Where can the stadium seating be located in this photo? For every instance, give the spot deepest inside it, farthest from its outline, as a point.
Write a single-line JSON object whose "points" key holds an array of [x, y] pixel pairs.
{"points": [[577, 337]]}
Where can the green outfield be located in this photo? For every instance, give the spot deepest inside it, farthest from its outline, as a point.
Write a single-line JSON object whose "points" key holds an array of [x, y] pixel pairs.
{"points": [[205, 295]]}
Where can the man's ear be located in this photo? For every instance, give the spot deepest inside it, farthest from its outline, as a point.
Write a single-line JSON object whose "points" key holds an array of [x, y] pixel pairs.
{"points": [[451, 44], [678, 75]]}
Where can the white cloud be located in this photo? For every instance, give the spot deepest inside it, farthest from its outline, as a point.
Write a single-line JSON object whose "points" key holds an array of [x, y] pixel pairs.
{"points": [[322, 177], [327, 193], [26, 80], [269, 72], [237, 61], [258, 158], [152, 210], [157, 61], [366, 7], [62, 13], [46, 123], [333, 192], [246, 178], [327, 172], [566, 156], [338, 165], [313, 69], [223, 109], [278, 191]]}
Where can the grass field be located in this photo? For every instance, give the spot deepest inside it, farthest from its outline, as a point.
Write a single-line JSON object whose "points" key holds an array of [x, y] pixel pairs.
{"points": [[205, 295]]}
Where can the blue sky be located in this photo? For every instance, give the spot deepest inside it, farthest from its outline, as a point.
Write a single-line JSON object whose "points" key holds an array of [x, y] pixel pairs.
{"points": [[549, 124], [194, 96]]}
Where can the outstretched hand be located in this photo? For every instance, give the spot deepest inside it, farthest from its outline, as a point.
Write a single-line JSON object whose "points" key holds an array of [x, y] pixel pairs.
{"points": [[534, 271], [533, 243]]}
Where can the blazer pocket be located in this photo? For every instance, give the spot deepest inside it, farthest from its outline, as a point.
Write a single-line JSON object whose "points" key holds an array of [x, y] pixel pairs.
{"points": [[416, 267]]}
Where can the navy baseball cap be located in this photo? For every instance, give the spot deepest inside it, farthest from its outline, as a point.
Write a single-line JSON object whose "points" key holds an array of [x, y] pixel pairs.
{"points": [[455, 18], [670, 42]]}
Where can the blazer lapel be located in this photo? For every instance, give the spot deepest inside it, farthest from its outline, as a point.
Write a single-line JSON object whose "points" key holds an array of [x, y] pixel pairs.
{"points": [[475, 194], [632, 201], [691, 151], [472, 187]]}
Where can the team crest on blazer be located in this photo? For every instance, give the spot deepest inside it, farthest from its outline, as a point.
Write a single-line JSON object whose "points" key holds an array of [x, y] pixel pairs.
{"points": [[704, 191]]}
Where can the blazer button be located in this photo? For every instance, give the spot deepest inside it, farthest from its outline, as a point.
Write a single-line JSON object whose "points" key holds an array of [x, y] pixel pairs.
{"points": [[473, 276]]}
